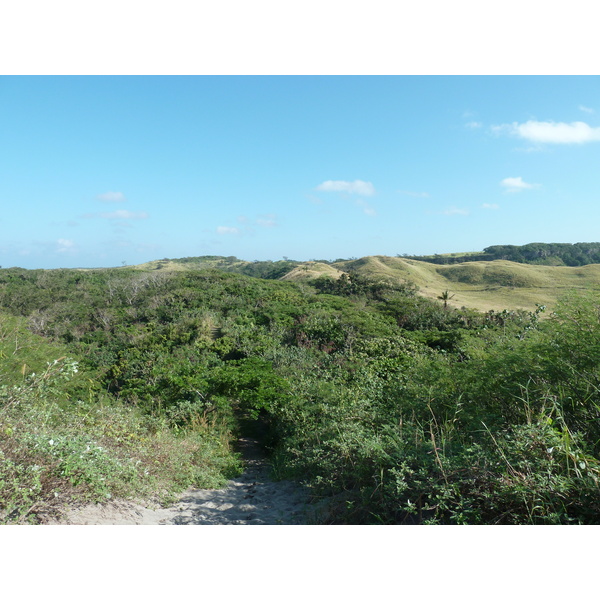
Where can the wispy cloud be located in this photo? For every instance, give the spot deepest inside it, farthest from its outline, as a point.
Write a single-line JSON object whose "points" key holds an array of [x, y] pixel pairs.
{"points": [[124, 214], [362, 188], [247, 225], [549, 132], [453, 210], [222, 230], [516, 184], [64, 246], [366, 207], [414, 194], [111, 197], [490, 206], [267, 221], [471, 122], [586, 109]]}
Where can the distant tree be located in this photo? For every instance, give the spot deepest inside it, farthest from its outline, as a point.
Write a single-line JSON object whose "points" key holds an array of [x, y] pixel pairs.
{"points": [[445, 296]]}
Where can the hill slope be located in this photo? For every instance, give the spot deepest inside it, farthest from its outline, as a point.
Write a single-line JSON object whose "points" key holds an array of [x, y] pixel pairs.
{"points": [[491, 285], [312, 270], [481, 285]]}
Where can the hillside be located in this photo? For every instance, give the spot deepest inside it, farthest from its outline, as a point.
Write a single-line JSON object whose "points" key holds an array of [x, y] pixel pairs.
{"points": [[265, 269], [484, 286], [480, 285], [491, 285], [312, 270]]}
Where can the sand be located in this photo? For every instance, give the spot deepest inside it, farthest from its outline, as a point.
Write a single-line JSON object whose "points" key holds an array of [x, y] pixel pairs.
{"points": [[253, 498]]}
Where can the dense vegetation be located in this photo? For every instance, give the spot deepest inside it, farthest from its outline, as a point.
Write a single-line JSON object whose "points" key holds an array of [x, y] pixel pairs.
{"points": [[264, 269], [569, 255], [400, 409]]}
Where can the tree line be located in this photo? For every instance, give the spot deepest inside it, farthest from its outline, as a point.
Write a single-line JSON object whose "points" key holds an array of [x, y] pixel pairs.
{"points": [[570, 255]]}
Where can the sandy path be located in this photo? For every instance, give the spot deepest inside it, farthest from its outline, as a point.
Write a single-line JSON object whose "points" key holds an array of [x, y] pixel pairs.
{"points": [[250, 499]]}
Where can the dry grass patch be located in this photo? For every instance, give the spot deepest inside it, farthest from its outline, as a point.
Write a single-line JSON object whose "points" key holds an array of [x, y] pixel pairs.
{"points": [[484, 286], [312, 270]]}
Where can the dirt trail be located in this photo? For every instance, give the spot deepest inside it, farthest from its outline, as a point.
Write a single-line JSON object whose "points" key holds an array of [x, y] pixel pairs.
{"points": [[250, 499]]}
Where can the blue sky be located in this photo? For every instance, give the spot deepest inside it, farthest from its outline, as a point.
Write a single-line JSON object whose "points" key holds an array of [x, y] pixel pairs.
{"points": [[97, 171]]}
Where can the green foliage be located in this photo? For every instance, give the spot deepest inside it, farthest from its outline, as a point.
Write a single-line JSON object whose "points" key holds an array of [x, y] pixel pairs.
{"points": [[251, 382], [395, 407], [62, 439], [571, 255]]}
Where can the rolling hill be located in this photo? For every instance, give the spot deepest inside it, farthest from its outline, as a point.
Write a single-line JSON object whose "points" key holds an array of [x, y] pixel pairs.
{"points": [[481, 285]]}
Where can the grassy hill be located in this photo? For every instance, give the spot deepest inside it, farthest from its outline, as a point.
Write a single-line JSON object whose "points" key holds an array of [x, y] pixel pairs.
{"points": [[481, 285], [230, 263], [492, 285], [263, 269], [312, 270]]}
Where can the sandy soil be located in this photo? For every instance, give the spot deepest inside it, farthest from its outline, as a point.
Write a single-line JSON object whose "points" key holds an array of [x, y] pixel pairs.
{"points": [[250, 499]]}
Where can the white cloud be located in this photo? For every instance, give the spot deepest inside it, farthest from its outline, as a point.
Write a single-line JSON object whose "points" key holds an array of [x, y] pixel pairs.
{"points": [[362, 188], [111, 197], [549, 132], [123, 214], [474, 124], [64, 246], [516, 184], [221, 230], [586, 109], [490, 206]]}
